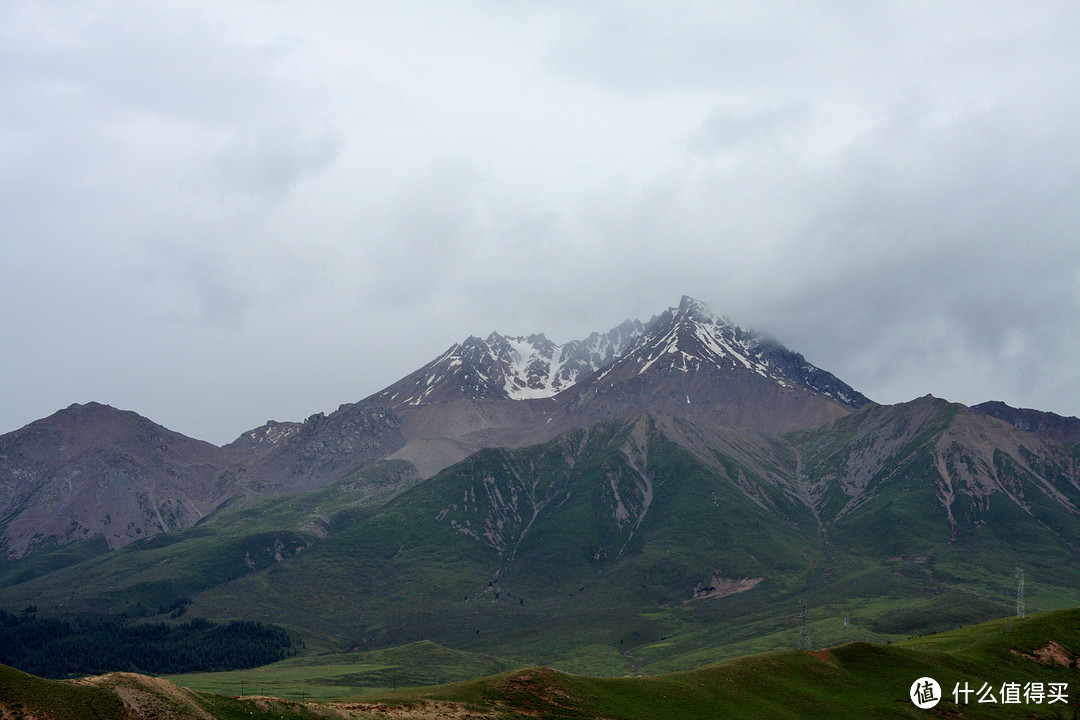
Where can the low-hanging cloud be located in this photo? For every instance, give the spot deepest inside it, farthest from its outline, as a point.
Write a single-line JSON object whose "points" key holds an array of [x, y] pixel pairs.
{"points": [[292, 206]]}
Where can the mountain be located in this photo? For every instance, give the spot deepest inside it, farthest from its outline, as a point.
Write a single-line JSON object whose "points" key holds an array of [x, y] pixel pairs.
{"points": [[512, 368], [685, 362], [687, 339], [649, 543], [650, 498], [692, 339], [92, 471], [1045, 424], [623, 533], [304, 456], [515, 391], [689, 362]]}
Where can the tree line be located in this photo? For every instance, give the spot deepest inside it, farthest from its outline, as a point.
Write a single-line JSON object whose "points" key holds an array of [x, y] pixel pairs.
{"points": [[96, 644]]}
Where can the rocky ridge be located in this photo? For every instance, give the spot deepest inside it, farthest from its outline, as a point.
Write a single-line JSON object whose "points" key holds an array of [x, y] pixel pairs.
{"points": [[92, 470]]}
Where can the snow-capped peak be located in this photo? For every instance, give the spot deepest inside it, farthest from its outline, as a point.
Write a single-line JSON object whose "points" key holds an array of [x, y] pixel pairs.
{"points": [[687, 338], [535, 367], [690, 336], [514, 367]]}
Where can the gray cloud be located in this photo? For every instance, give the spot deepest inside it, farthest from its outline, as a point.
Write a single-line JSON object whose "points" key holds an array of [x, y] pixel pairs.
{"points": [[217, 214], [272, 159], [428, 229]]}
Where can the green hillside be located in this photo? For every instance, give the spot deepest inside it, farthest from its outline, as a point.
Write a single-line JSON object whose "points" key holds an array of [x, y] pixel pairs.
{"points": [[158, 575], [855, 680], [619, 550], [996, 661], [645, 545], [336, 675], [571, 553]]}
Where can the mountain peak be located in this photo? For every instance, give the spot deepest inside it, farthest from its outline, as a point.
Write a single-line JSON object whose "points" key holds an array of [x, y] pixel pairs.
{"points": [[686, 338], [92, 469], [694, 309], [691, 338], [510, 367]]}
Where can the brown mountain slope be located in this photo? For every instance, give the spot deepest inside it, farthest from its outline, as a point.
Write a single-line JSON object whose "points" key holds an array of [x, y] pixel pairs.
{"points": [[1046, 424], [92, 469]]}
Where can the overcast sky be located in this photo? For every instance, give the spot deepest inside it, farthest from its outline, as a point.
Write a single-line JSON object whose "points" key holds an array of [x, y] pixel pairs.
{"points": [[219, 213]]}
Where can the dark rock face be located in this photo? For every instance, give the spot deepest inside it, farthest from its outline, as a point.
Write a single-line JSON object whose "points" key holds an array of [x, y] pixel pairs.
{"points": [[263, 438], [92, 469], [1045, 424], [326, 447], [688, 362]]}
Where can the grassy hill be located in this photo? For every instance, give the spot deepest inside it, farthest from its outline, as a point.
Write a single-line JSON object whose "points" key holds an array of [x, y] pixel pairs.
{"points": [[336, 675], [854, 680]]}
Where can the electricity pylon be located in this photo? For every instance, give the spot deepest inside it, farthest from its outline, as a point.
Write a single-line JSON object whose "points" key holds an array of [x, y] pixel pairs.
{"points": [[805, 639], [1021, 605]]}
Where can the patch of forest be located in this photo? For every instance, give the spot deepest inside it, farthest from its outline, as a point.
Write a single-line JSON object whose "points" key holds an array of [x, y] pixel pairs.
{"points": [[97, 644]]}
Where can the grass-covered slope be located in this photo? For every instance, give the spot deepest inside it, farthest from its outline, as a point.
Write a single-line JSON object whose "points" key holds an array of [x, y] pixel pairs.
{"points": [[575, 551], [643, 545], [28, 696], [157, 575], [854, 680], [127, 696], [337, 675], [633, 546]]}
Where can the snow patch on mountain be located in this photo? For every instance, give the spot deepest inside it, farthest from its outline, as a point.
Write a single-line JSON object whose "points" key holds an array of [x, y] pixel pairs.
{"points": [[533, 369], [687, 338]]}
